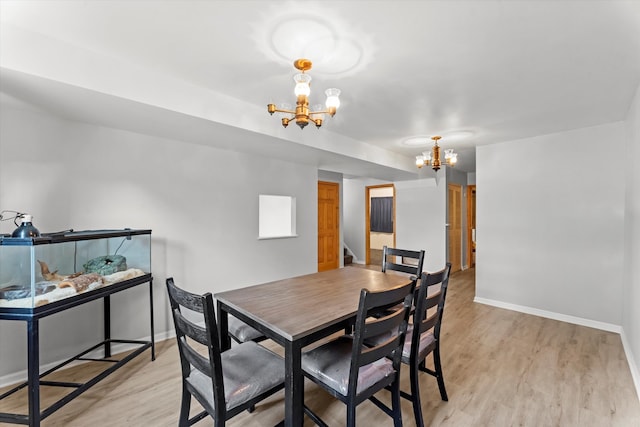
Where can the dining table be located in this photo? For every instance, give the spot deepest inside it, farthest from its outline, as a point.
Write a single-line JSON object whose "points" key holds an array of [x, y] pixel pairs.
{"points": [[298, 311]]}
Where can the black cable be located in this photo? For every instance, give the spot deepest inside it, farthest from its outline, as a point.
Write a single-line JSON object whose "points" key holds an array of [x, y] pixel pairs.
{"points": [[14, 217], [121, 243]]}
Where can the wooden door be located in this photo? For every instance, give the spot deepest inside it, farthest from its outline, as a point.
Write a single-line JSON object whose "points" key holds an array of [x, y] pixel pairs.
{"points": [[471, 225], [328, 225], [454, 200]]}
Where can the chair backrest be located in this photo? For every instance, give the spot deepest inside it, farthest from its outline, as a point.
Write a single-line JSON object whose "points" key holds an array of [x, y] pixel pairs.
{"points": [[189, 332], [409, 261], [428, 297], [373, 319]]}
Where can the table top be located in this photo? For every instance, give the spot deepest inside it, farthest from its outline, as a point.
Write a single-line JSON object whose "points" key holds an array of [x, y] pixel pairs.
{"points": [[299, 306]]}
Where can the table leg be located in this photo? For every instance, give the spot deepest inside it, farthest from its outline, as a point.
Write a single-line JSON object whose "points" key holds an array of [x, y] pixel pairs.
{"points": [[107, 326], [223, 328], [33, 372], [293, 385], [153, 338]]}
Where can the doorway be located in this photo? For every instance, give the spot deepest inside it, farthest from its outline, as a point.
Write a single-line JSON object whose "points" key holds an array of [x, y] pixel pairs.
{"points": [[380, 221], [471, 225], [328, 225], [454, 220]]}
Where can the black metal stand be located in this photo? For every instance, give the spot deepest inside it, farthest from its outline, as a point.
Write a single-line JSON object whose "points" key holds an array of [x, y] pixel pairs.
{"points": [[35, 379]]}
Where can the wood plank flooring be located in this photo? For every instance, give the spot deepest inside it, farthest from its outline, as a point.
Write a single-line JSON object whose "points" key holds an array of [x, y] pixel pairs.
{"points": [[501, 368]]}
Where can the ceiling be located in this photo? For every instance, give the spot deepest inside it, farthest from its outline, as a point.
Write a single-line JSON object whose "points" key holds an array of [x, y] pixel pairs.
{"points": [[475, 72]]}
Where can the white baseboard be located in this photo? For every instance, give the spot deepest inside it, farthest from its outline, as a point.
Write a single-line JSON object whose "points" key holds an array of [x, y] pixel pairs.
{"points": [[551, 315], [21, 376], [635, 373]]}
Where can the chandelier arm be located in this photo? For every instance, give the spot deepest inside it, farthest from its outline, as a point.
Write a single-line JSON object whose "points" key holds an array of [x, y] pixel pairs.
{"points": [[320, 112], [278, 110]]}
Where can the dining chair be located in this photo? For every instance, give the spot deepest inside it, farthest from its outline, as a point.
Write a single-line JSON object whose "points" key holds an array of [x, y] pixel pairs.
{"points": [[353, 373], [423, 336], [224, 383], [410, 261], [241, 332]]}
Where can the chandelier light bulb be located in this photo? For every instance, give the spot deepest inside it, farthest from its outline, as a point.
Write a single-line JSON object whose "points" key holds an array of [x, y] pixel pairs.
{"points": [[302, 84], [419, 161], [333, 99]]}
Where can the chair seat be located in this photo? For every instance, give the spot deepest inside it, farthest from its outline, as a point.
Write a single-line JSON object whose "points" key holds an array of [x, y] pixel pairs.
{"points": [[427, 339], [248, 370], [242, 331], [330, 364]]}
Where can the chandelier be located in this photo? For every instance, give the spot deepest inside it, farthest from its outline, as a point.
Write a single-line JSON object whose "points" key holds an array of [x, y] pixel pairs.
{"points": [[433, 158], [301, 114]]}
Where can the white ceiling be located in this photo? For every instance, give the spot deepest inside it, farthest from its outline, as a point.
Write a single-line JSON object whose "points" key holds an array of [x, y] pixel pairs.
{"points": [[495, 70]]}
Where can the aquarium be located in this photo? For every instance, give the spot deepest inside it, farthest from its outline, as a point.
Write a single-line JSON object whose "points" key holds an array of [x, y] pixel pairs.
{"points": [[38, 271]]}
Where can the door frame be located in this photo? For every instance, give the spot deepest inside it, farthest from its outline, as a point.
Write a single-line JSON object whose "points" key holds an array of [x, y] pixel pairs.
{"points": [[367, 218]]}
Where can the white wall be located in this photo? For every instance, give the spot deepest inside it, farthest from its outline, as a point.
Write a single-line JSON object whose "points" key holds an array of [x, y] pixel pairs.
{"points": [[421, 208], [550, 224], [471, 178], [631, 282], [201, 203], [420, 217]]}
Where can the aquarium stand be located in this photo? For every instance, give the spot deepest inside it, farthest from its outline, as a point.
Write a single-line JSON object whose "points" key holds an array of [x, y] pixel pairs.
{"points": [[35, 380]]}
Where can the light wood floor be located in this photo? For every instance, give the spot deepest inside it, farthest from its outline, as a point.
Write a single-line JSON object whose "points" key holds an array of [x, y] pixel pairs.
{"points": [[501, 368]]}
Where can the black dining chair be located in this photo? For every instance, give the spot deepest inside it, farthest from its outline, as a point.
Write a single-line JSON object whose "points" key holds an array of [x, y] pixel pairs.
{"points": [[224, 383], [353, 373], [241, 332], [423, 336], [403, 260]]}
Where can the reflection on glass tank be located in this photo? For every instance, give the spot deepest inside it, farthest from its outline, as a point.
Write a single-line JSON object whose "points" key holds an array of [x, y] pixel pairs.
{"points": [[37, 271]]}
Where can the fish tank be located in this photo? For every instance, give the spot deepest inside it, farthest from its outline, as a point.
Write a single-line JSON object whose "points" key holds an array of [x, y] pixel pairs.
{"points": [[44, 270]]}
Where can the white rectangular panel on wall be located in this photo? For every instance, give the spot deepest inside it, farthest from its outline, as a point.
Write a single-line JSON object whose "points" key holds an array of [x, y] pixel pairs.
{"points": [[277, 216]]}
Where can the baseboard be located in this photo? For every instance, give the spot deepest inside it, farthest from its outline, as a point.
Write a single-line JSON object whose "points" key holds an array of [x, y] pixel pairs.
{"points": [[21, 376], [635, 372], [551, 315]]}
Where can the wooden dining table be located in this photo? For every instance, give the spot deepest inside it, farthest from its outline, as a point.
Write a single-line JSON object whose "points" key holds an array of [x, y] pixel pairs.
{"points": [[298, 311]]}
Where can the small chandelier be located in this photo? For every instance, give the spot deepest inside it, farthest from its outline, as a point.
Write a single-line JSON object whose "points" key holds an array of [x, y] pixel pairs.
{"points": [[302, 115], [433, 158]]}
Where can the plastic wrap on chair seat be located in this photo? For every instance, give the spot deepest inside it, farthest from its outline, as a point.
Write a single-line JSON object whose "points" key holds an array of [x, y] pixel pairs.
{"points": [[426, 341], [248, 370], [242, 331], [330, 364]]}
